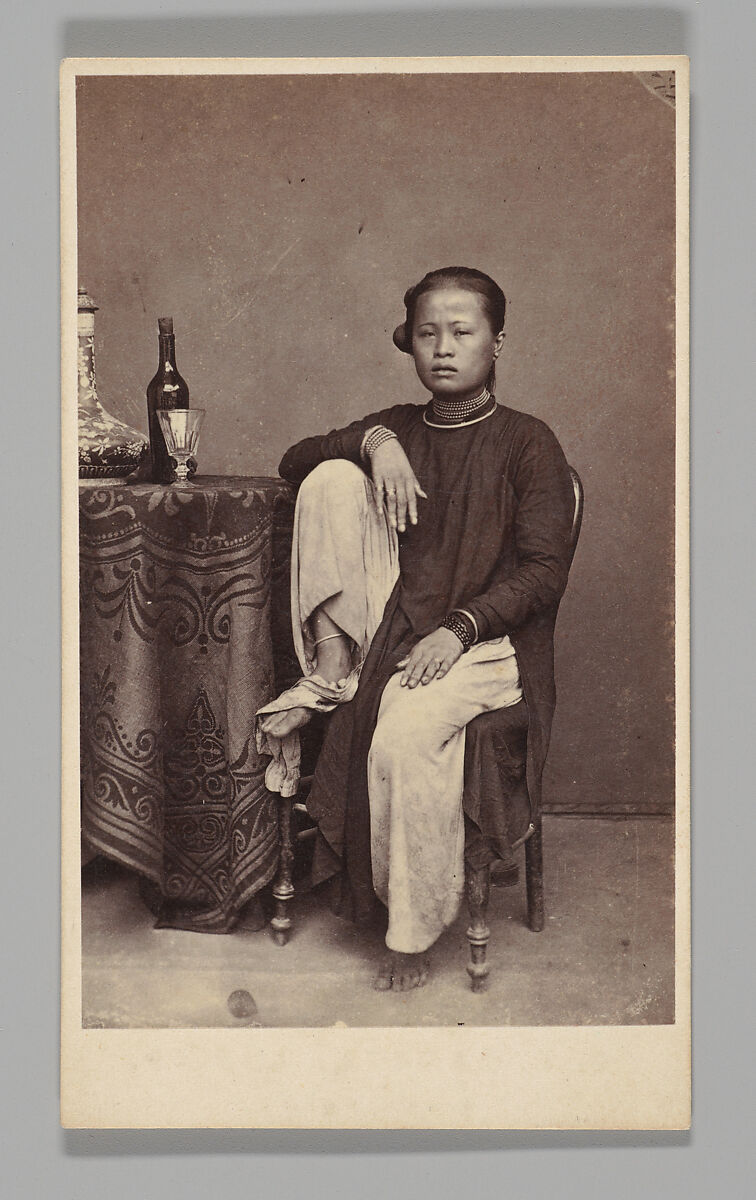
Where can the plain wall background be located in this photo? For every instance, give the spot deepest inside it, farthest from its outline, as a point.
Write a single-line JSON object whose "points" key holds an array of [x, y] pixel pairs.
{"points": [[280, 219]]}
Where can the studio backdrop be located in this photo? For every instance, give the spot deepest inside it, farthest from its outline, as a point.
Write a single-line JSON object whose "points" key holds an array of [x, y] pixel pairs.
{"points": [[279, 220]]}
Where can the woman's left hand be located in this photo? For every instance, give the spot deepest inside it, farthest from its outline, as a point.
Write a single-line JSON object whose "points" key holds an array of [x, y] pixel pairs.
{"points": [[431, 658]]}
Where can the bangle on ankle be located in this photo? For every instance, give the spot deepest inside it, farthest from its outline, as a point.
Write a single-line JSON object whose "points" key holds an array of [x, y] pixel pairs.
{"points": [[328, 637]]}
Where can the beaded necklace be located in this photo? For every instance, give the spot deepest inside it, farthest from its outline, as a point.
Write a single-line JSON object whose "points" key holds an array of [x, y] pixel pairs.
{"points": [[453, 413]]}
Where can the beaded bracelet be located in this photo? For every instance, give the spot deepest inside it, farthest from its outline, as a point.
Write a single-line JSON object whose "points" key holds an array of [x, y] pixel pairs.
{"points": [[375, 438], [460, 627]]}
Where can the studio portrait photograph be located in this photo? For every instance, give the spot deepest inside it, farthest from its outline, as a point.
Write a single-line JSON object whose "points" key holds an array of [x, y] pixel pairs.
{"points": [[375, 590]]}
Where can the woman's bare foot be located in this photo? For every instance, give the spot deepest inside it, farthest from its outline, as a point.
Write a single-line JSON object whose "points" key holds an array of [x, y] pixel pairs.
{"points": [[333, 666], [280, 723], [401, 972]]}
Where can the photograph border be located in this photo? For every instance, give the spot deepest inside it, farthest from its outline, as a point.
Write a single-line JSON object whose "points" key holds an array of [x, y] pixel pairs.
{"points": [[628, 1077]]}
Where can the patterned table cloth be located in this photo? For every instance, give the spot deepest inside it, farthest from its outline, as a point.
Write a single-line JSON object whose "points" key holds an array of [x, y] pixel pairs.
{"points": [[184, 593]]}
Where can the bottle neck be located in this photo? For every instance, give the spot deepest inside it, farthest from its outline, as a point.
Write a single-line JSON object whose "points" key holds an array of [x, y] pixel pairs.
{"points": [[167, 350]]}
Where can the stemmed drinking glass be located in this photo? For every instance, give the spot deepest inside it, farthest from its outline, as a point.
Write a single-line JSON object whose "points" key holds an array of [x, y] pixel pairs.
{"points": [[181, 430]]}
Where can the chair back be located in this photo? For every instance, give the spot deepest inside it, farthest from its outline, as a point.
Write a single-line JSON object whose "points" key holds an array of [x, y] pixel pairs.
{"points": [[577, 518]]}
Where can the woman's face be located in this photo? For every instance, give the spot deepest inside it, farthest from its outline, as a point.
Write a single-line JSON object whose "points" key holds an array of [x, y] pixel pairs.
{"points": [[453, 344]]}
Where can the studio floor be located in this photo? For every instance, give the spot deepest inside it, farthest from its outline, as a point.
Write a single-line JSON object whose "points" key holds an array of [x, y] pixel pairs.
{"points": [[606, 955]]}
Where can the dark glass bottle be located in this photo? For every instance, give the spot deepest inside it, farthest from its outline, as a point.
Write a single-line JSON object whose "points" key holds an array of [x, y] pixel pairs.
{"points": [[166, 390]]}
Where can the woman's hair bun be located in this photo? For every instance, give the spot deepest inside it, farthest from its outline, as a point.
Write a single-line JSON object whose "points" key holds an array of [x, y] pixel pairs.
{"points": [[400, 339]]}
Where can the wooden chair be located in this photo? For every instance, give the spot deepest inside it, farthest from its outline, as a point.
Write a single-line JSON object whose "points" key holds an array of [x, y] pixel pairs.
{"points": [[477, 882]]}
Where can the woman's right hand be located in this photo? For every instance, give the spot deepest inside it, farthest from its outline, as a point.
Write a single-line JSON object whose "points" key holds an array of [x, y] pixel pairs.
{"points": [[393, 476]]}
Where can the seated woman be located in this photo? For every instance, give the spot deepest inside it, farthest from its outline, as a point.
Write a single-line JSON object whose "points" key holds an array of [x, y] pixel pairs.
{"points": [[431, 549]]}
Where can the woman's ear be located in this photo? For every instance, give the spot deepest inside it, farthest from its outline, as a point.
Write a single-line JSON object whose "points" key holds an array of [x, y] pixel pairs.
{"points": [[498, 343]]}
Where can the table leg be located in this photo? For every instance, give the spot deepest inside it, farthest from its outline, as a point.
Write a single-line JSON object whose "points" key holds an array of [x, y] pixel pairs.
{"points": [[283, 888]]}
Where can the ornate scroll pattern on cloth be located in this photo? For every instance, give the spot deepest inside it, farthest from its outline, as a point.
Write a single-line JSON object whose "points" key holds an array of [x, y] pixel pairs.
{"points": [[176, 657]]}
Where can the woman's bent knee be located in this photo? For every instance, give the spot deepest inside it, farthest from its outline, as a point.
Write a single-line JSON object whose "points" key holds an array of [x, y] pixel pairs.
{"points": [[335, 476]]}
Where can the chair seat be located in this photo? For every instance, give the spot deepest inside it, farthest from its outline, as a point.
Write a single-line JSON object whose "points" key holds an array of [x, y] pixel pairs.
{"points": [[496, 801]]}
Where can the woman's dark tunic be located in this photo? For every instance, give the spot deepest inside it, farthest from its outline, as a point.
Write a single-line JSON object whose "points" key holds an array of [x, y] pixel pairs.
{"points": [[493, 537]]}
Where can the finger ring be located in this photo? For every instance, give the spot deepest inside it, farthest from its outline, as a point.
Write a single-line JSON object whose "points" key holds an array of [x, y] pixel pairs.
{"points": [[390, 491]]}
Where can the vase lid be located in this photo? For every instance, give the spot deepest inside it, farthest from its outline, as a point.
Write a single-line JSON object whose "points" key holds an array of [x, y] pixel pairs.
{"points": [[86, 303]]}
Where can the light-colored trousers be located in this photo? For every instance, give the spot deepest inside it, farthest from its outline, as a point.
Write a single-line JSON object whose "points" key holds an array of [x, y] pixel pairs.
{"points": [[345, 560]]}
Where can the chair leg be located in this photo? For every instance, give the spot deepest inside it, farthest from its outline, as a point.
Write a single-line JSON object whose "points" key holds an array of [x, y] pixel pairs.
{"points": [[477, 888], [534, 877], [283, 888]]}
